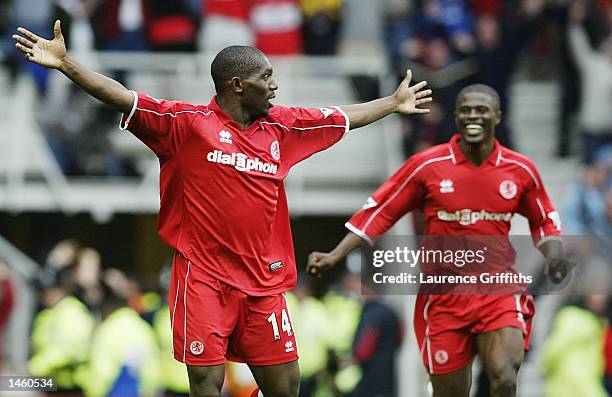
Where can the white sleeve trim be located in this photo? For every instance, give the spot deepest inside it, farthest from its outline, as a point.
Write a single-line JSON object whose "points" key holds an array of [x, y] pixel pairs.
{"points": [[123, 126], [360, 233], [547, 238], [347, 126]]}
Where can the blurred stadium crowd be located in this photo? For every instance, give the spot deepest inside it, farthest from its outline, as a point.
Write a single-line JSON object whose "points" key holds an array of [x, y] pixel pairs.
{"points": [[448, 43], [100, 332], [88, 312]]}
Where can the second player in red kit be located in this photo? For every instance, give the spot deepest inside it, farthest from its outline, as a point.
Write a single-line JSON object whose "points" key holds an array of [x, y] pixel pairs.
{"points": [[471, 186]]}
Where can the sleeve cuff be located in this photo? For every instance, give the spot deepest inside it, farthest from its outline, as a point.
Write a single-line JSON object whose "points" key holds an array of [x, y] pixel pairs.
{"points": [[123, 125], [347, 125], [548, 238], [360, 233]]}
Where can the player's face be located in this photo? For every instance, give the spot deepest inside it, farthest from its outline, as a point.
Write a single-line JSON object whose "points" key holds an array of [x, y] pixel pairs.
{"points": [[476, 116], [258, 89]]}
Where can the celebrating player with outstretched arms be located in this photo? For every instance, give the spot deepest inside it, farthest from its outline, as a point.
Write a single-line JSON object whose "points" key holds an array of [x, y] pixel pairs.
{"points": [[223, 205]]}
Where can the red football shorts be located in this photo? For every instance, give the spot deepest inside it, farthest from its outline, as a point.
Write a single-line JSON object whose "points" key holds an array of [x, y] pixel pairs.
{"points": [[446, 325], [212, 322]]}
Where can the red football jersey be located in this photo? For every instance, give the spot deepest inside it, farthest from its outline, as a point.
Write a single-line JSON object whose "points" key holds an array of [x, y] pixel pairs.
{"points": [[459, 198], [223, 203]]}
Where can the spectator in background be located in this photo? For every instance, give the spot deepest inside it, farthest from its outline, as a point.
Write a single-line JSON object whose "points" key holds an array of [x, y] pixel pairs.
{"points": [[608, 341], [450, 19], [501, 34], [172, 26], [62, 255], [586, 214], [6, 306], [61, 335], [225, 23], [124, 357], [573, 352], [8, 56], [595, 67], [321, 27], [37, 13], [434, 41], [311, 325], [173, 374], [87, 277], [344, 304], [78, 140], [120, 25], [377, 341], [588, 225], [76, 15], [277, 25]]}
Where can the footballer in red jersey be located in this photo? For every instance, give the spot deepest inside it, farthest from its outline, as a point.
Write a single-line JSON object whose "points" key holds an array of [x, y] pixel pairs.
{"points": [[223, 204], [471, 186]]}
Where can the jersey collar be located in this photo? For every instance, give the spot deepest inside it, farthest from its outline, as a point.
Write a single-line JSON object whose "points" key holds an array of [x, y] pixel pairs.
{"points": [[460, 157], [226, 119]]}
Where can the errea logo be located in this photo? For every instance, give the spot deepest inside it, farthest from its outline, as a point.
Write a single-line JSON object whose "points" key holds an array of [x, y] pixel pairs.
{"points": [[225, 136], [446, 186], [289, 347], [326, 112], [370, 203]]}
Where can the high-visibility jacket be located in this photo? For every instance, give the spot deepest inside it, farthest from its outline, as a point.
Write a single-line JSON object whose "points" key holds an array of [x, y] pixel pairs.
{"points": [[124, 359], [311, 325], [573, 355], [173, 373], [61, 336], [345, 312]]}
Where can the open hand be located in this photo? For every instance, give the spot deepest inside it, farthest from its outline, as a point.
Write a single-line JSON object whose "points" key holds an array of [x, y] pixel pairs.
{"points": [[409, 98], [48, 53]]}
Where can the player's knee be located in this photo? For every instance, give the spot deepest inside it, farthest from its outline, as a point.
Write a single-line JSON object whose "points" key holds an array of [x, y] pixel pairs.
{"points": [[290, 390], [505, 387], [203, 388], [503, 379], [284, 389], [283, 393], [203, 391], [205, 381]]}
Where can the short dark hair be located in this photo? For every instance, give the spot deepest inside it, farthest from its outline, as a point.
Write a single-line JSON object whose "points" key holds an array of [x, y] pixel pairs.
{"points": [[234, 61], [481, 89]]}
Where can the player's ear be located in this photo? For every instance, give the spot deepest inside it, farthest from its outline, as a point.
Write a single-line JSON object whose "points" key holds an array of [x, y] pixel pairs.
{"points": [[236, 83], [498, 117]]}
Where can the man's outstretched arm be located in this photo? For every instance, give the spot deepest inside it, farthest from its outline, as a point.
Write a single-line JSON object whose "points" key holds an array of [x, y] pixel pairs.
{"points": [[405, 100], [52, 54], [320, 262]]}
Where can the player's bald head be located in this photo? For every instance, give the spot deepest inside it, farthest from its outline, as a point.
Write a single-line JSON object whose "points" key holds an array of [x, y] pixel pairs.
{"points": [[481, 89], [235, 61]]}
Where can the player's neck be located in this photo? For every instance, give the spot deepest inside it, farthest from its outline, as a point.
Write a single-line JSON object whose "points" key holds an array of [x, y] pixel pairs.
{"points": [[476, 153], [235, 111]]}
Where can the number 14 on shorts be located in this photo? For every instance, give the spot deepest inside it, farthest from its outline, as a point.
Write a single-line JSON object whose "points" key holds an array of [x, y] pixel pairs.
{"points": [[285, 324]]}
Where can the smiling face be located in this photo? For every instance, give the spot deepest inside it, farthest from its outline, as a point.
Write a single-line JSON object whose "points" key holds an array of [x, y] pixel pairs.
{"points": [[257, 90], [476, 115]]}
